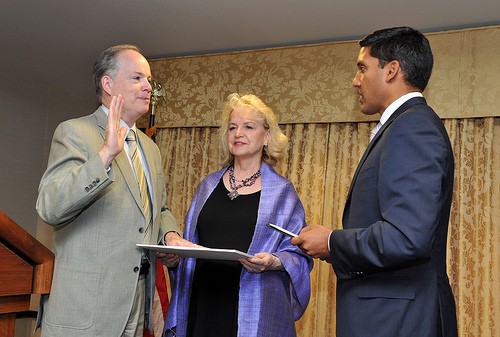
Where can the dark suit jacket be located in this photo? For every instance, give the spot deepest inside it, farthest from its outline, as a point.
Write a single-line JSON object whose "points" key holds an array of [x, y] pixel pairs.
{"points": [[98, 220], [390, 257]]}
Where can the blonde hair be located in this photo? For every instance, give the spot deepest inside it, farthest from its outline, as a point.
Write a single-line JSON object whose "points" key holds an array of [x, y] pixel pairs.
{"points": [[277, 140]]}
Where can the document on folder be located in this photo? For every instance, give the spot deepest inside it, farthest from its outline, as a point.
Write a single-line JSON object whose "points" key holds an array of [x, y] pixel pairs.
{"points": [[199, 252]]}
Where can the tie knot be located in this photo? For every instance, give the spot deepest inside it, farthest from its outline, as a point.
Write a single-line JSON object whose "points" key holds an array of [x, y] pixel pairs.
{"points": [[131, 136]]}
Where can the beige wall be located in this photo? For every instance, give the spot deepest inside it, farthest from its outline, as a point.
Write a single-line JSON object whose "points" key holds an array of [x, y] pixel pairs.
{"points": [[29, 113]]}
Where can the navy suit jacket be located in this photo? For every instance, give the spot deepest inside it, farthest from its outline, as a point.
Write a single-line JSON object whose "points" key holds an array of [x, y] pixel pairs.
{"points": [[390, 256]]}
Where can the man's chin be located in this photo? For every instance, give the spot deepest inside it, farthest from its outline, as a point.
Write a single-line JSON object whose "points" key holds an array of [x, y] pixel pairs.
{"points": [[143, 110], [368, 112]]}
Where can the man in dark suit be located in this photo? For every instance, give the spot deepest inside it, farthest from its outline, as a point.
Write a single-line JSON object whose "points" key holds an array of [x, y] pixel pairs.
{"points": [[390, 256], [104, 192]]}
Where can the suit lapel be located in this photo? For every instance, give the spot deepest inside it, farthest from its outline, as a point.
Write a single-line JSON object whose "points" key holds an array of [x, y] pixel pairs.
{"points": [[121, 161], [399, 111]]}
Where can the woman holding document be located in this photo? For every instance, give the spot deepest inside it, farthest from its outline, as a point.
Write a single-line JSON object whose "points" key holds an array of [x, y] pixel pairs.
{"points": [[259, 296]]}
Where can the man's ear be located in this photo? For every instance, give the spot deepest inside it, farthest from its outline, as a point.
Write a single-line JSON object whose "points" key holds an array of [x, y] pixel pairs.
{"points": [[107, 84], [392, 69]]}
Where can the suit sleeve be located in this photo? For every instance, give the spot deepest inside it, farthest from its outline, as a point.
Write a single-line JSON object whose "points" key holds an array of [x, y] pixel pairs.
{"points": [[405, 185], [168, 223], [75, 175]]}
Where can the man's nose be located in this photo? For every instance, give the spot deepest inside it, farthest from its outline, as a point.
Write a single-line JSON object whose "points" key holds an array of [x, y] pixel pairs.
{"points": [[355, 81]]}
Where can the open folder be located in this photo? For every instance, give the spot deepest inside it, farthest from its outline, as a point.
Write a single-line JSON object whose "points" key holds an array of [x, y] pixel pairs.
{"points": [[199, 252]]}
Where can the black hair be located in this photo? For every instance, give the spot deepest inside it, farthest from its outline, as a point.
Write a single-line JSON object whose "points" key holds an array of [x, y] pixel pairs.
{"points": [[406, 45]]}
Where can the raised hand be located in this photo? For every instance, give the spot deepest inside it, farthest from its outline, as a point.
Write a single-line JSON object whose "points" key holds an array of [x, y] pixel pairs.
{"points": [[115, 135]]}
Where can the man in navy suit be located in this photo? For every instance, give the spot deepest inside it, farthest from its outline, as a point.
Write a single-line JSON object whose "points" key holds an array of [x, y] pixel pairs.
{"points": [[390, 256]]}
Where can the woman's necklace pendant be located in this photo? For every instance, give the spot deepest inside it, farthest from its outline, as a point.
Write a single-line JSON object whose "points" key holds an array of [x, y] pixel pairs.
{"points": [[233, 194], [245, 182]]}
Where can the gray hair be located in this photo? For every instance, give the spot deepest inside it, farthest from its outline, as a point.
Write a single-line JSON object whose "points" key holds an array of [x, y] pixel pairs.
{"points": [[107, 64]]}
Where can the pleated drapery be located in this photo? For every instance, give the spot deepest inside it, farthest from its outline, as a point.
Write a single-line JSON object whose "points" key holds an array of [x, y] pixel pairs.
{"points": [[309, 88], [320, 161]]}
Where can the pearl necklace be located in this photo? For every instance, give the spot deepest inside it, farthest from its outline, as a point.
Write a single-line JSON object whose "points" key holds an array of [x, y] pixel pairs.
{"points": [[245, 182]]}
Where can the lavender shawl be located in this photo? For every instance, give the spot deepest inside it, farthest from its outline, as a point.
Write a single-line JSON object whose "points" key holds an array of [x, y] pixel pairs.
{"points": [[269, 302]]}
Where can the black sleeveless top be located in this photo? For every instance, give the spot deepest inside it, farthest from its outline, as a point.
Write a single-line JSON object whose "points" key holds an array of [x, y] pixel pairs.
{"points": [[222, 223]]}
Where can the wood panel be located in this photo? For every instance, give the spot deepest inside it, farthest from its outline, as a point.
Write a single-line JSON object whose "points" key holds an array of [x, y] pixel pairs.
{"points": [[16, 275]]}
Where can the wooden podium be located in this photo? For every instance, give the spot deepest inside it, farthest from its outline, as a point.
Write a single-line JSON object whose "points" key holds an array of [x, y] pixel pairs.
{"points": [[26, 268]]}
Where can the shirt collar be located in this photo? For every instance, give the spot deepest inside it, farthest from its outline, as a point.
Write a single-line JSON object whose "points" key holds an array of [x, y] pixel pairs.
{"points": [[122, 123], [396, 104]]}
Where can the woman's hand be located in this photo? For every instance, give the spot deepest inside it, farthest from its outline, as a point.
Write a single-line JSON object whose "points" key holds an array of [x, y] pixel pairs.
{"points": [[261, 262]]}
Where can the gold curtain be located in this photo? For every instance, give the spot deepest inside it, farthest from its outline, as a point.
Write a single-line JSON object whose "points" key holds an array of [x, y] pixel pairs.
{"points": [[312, 83], [320, 162], [474, 235]]}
